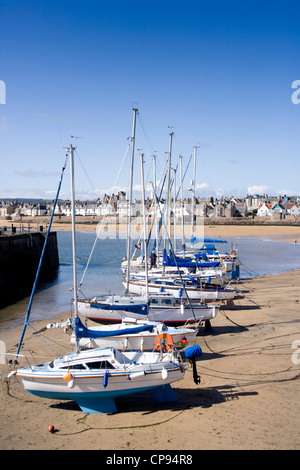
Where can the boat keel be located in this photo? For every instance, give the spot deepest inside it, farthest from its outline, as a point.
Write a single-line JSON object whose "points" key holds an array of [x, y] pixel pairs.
{"points": [[103, 405], [163, 394]]}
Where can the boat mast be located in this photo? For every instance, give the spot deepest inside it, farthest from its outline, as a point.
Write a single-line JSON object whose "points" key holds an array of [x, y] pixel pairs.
{"points": [[144, 222], [75, 288], [169, 187], [193, 192], [182, 221], [155, 210], [130, 197], [174, 211]]}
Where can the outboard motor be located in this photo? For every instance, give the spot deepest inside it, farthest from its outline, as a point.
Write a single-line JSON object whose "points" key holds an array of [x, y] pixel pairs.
{"points": [[192, 353]]}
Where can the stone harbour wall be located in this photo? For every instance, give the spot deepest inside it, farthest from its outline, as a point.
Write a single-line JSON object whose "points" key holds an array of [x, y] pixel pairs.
{"points": [[19, 258]]}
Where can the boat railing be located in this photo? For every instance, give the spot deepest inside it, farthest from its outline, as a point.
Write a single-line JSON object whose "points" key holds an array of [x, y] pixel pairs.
{"points": [[29, 358], [189, 324], [15, 229]]}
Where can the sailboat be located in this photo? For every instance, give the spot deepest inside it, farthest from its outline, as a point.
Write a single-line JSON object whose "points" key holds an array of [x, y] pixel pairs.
{"points": [[157, 306], [202, 282], [197, 279], [197, 288], [94, 378], [162, 307], [141, 306], [197, 291], [130, 334]]}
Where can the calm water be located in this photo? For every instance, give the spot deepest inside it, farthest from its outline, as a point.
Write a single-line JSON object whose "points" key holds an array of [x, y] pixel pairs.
{"points": [[259, 257]]}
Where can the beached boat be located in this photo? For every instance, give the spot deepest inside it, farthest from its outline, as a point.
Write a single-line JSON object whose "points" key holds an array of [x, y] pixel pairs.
{"points": [[216, 273], [208, 251], [95, 377], [181, 287], [128, 335], [160, 307]]}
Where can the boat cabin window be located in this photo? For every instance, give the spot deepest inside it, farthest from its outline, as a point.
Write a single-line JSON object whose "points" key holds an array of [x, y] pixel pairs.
{"points": [[154, 301], [100, 365], [166, 301], [74, 366]]}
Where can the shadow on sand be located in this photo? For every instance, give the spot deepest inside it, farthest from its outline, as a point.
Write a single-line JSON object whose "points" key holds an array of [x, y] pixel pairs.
{"points": [[187, 399]]}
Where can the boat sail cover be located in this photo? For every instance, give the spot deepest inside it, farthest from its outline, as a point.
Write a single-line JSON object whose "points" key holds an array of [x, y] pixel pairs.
{"points": [[170, 261], [142, 309], [207, 240], [82, 331]]}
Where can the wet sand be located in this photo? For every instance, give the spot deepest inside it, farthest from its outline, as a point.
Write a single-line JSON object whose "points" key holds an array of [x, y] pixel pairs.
{"points": [[248, 397]]}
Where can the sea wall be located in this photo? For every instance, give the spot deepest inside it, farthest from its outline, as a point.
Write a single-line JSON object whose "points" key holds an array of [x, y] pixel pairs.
{"points": [[19, 258]]}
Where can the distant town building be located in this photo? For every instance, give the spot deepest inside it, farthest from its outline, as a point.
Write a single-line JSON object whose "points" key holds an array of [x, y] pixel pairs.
{"points": [[7, 209], [293, 209], [264, 210], [118, 205]]}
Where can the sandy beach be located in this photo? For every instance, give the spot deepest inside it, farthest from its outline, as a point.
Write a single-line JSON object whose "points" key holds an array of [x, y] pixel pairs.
{"points": [[248, 398], [288, 230]]}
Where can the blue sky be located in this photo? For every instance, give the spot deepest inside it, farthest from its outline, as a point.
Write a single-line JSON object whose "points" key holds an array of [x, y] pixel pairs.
{"points": [[218, 74]]}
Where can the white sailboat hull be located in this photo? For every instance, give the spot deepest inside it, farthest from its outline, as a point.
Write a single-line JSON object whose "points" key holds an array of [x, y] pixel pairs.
{"points": [[118, 384], [170, 315], [95, 389], [144, 341], [194, 293]]}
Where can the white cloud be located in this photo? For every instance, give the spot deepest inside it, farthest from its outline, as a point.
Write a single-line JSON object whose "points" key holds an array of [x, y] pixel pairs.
{"points": [[109, 191], [34, 174], [286, 192], [20, 193], [264, 189], [258, 189], [202, 187], [205, 190]]}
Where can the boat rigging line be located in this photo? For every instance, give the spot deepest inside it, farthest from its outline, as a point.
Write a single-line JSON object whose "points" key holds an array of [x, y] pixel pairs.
{"points": [[173, 253], [92, 186], [102, 221]]}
